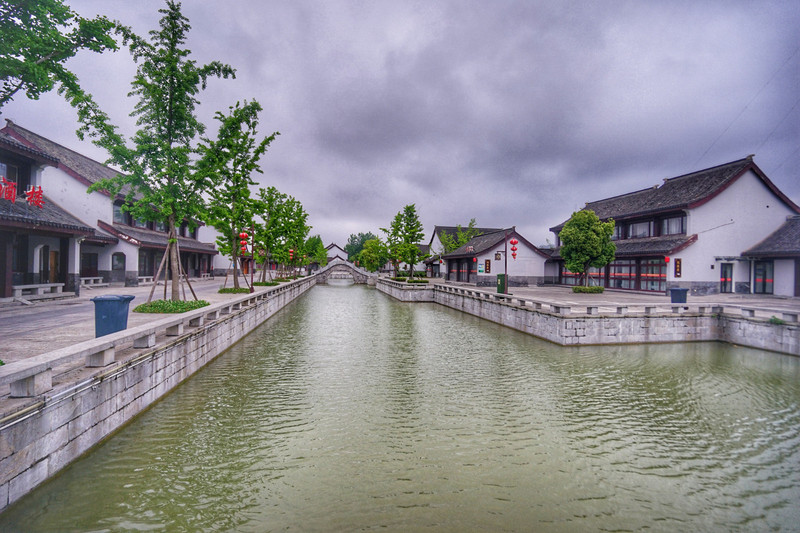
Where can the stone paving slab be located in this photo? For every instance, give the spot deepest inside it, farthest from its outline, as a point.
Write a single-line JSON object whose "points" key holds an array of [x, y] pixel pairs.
{"points": [[28, 330]]}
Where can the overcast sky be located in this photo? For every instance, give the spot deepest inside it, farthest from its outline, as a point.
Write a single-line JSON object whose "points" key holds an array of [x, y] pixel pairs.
{"points": [[512, 113]]}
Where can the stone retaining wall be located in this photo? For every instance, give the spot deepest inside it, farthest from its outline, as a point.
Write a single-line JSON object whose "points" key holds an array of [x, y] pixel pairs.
{"points": [[59, 427], [623, 327]]}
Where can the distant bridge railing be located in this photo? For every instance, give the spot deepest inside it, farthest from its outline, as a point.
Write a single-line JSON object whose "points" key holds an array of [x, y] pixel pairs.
{"points": [[340, 269]]}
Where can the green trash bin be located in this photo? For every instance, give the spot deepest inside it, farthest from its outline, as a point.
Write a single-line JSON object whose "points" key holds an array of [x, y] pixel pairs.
{"points": [[110, 313], [501, 283]]}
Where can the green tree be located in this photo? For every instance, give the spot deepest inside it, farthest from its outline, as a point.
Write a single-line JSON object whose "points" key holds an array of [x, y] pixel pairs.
{"points": [[38, 38], [268, 225], [227, 165], [315, 250], [159, 182], [280, 225], [402, 236], [356, 243], [373, 255], [586, 243], [462, 237]]}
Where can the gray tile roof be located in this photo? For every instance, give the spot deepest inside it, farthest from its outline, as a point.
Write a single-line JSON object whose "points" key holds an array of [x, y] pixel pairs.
{"points": [[49, 216], [10, 143], [679, 193], [81, 166], [156, 239], [783, 242], [480, 244]]}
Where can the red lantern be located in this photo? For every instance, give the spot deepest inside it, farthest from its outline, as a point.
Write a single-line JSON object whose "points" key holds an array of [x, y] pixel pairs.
{"points": [[666, 259], [514, 242], [474, 259], [243, 242], [513, 248], [514, 255], [243, 235]]}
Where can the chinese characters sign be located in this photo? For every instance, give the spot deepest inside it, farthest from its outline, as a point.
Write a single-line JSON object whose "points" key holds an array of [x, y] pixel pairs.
{"points": [[8, 191]]}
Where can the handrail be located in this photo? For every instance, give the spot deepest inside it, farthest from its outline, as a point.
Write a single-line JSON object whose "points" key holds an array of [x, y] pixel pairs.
{"points": [[621, 309]]}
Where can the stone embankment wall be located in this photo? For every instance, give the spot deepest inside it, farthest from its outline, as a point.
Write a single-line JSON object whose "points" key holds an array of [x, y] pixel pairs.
{"points": [[38, 441], [593, 325]]}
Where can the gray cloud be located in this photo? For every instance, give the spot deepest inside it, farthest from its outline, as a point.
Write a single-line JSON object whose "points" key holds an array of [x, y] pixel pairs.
{"points": [[515, 112]]}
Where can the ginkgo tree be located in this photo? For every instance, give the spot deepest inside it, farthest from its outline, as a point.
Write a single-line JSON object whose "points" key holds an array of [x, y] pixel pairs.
{"points": [[159, 182], [38, 38], [227, 164]]}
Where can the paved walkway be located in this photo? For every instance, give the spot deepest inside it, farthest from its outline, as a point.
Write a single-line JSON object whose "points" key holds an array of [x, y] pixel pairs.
{"points": [[27, 330], [48, 325]]}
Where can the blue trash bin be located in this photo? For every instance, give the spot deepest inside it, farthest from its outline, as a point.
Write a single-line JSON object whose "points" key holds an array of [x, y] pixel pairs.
{"points": [[110, 313], [678, 295]]}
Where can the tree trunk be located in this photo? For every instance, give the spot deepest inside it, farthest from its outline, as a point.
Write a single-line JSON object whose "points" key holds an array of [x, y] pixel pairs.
{"points": [[174, 260]]}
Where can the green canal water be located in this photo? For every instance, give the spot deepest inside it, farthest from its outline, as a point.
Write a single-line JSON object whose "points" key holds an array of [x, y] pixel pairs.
{"points": [[349, 411]]}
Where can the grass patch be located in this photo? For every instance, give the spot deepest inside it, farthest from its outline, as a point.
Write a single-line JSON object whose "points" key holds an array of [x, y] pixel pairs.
{"points": [[399, 278], [587, 290], [418, 281], [234, 290], [777, 321], [265, 283], [169, 306], [281, 279]]}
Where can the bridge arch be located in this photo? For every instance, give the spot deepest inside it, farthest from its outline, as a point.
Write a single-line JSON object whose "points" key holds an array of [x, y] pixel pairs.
{"points": [[338, 269]]}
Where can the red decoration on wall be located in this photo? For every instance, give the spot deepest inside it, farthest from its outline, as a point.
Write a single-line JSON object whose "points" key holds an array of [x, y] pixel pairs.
{"points": [[666, 259]]}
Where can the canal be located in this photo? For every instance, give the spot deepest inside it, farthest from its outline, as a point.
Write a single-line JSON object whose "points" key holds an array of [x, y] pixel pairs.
{"points": [[350, 411]]}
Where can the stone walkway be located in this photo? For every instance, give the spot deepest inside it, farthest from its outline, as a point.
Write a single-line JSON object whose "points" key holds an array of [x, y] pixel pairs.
{"points": [[46, 325]]}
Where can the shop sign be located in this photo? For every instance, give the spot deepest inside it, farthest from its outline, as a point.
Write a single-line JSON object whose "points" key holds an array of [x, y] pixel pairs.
{"points": [[8, 191]]}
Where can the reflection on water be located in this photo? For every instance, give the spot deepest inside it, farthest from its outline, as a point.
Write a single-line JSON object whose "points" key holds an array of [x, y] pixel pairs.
{"points": [[350, 411]]}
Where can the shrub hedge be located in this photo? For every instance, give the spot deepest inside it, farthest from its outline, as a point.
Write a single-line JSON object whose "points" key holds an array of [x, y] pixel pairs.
{"points": [[169, 306], [589, 290]]}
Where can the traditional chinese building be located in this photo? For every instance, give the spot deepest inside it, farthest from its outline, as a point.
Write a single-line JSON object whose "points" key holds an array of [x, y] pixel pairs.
{"points": [[502, 251], [115, 246], [39, 240], [700, 231], [434, 262]]}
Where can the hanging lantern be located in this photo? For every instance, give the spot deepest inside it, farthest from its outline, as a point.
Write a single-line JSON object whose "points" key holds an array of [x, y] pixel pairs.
{"points": [[666, 259], [474, 259], [514, 242], [243, 235], [243, 242], [513, 248], [514, 255]]}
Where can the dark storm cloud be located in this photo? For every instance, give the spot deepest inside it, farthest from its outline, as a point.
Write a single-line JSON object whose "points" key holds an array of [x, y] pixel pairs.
{"points": [[514, 113]]}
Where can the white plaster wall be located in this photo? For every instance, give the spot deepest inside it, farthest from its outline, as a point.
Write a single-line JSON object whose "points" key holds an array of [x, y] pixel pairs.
{"points": [[71, 195], [208, 234], [739, 217], [527, 263]]}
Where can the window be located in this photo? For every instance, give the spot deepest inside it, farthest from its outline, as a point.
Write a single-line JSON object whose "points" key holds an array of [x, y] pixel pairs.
{"points": [[161, 226], [639, 230], [569, 278], [622, 274], [17, 173], [618, 233], [673, 226], [119, 214], [140, 223], [118, 261], [654, 275], [763, 277]]}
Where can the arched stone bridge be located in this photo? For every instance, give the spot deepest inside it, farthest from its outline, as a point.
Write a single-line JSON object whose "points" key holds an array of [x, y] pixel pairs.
{"points": [[340, 269]]}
